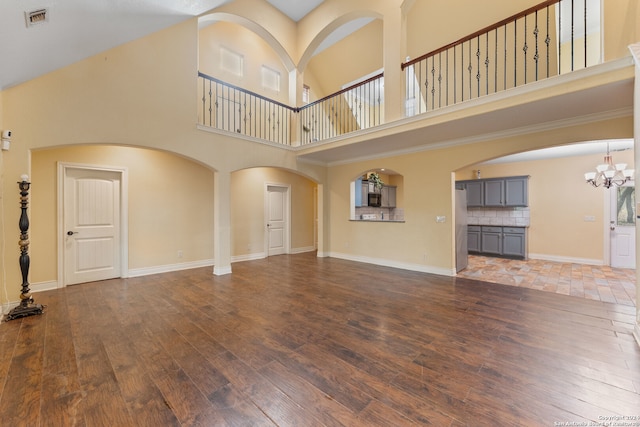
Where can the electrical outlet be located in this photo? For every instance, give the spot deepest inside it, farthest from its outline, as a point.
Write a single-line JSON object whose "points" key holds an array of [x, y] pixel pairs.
{"points": [[589, 218], [441, 218], [180, 254]]}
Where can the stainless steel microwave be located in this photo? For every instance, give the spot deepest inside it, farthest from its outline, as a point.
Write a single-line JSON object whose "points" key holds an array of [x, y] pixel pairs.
{"points": [[375, 200]]}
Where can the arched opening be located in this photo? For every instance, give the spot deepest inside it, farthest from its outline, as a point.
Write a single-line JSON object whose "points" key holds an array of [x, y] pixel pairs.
{"points": [[294, 205], [170, 209], [322, 74], [377, 195], [567, 220]]}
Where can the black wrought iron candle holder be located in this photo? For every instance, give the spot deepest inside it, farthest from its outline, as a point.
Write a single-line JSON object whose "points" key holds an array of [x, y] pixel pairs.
{"points": [[27, 306]]}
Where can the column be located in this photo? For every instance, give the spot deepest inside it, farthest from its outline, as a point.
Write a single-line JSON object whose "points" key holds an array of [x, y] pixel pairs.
{"points": [[222, 223], [393, 48]]}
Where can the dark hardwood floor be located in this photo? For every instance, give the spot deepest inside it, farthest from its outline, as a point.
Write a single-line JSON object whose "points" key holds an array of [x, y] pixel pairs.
{"points": [[302, 341]]}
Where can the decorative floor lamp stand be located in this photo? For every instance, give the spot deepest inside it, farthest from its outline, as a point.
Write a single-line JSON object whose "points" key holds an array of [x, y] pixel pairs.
{"points": [[27, 306]]}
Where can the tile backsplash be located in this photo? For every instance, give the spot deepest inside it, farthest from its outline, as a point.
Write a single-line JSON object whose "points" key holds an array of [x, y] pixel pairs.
{"points": [[514, 217], [390, 214]]}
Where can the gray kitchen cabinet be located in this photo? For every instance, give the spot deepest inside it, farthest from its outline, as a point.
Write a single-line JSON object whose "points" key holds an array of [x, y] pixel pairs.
{"points": [[388, 196], [475, 193], [496, 192], [513, 242], [516, 191], [473, 238], [491, 240]]}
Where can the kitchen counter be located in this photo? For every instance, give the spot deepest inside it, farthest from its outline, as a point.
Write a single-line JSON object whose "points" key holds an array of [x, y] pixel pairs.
{"points": [[377, 220], [486, 224]]}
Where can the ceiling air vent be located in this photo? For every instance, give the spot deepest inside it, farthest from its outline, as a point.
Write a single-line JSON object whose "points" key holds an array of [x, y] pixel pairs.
{"points": [[36, 17]]}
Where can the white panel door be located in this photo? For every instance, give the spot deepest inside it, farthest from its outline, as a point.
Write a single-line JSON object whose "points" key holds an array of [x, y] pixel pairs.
{"points": [[92, 225], [623, 227], [277, 220]]}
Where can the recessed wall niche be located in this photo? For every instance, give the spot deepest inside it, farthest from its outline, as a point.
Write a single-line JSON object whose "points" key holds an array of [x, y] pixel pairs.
{"points": [[377, 195]]}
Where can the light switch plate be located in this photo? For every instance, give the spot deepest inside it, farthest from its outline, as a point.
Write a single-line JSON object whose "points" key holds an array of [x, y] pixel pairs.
{"points": [[441, 218]]}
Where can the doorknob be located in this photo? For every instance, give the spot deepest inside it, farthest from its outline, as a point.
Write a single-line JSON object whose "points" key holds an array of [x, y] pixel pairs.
{"points": [[612, 226], [71, 233]]}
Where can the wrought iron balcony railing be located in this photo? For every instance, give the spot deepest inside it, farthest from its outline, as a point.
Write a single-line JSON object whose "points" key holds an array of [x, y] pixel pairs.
{"points": [[233, 109], [356, 107], [554, 37]]}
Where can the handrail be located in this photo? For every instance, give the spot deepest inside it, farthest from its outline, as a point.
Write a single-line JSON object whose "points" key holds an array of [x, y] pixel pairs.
{"points": [[233, 109], [483, 31], [357, 107], [347, 89], [248, 92], [528, 46]]}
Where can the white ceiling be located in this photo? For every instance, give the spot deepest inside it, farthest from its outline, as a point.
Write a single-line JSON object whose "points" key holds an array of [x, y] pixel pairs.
{"points": [[78, 29], [295, 9], [582, 149]]}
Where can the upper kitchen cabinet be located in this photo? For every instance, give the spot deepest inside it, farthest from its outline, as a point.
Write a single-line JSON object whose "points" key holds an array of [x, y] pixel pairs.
{"points": [[494, 192], [388, 197], [497, 192], [516, 191], [475, 193]]}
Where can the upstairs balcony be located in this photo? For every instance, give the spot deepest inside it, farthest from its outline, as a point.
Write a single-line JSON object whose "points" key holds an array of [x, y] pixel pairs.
{"points": [[553, 39]]}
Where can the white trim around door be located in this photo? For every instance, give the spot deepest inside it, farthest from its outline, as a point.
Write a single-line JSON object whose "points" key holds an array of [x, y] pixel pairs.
{"points": [[285, 191], [63, 168]]}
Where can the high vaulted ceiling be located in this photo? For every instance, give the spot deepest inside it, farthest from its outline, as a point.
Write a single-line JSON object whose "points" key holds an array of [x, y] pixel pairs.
{"points": [[77, 29]]}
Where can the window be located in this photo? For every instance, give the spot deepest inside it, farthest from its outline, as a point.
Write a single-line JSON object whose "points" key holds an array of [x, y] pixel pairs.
{"points": [[270, 79], [231, 62], [306, 94]]}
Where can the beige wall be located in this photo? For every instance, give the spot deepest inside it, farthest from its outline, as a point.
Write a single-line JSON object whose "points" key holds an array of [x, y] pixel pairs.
{"points": [[255, 51], [559, 200], [261, 16], [334, 67], [248, 204], [621, 27], [170, 206], [431, 24]]}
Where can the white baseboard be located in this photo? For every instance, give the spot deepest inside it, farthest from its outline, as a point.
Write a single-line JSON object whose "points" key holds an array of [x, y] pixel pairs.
{"points": [[263, 255], [146, 271], [394, 264], [248, 257], [221, 271], [44, 286], [302, 250], [571, 260]]}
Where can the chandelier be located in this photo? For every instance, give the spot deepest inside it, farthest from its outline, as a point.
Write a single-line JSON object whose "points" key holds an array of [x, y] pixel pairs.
{"points": [[608, 174]]}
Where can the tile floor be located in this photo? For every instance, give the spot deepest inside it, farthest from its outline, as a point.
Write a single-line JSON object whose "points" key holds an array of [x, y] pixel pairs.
{"points": [[596, 282]]}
